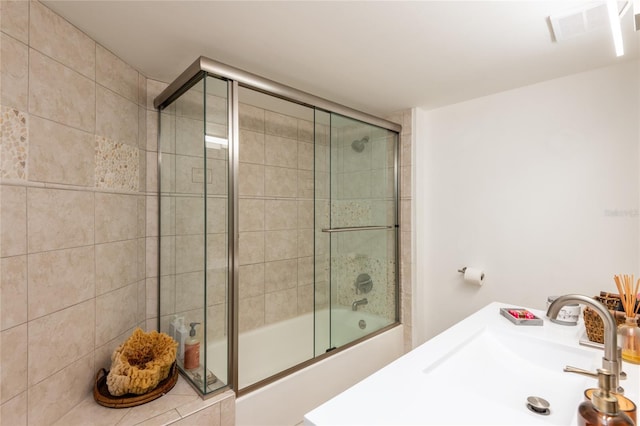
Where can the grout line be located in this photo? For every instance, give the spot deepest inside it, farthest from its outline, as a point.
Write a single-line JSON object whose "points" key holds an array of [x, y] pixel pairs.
{"points": [[26, 207]]}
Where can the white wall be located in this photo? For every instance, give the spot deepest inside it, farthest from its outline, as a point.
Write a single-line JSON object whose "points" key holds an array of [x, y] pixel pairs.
{"points": [[538, 186]]}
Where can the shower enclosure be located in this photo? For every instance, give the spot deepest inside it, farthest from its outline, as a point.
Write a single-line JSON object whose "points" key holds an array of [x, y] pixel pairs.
{"points": [[278, 225]]}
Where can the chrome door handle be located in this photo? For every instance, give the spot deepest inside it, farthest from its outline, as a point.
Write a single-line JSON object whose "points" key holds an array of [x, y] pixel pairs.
{"points": [[356, 228]]}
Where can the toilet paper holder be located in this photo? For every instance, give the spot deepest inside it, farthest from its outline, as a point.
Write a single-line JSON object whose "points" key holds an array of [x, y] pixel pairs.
{"points": [[464, 269]]}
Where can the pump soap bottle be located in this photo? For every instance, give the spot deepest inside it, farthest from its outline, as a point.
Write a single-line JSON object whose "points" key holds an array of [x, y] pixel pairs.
{"points": [[192, 349], [603, 408]]}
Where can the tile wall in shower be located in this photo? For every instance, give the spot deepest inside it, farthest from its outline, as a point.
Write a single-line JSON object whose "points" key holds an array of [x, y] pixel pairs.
{"points": [[276, 216], [276, 189], [363, 195], [184, 174], [406, 224]]}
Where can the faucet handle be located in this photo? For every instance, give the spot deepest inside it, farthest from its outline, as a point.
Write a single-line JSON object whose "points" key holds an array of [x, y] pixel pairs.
{"points": [[611, 377], [570, 369]]}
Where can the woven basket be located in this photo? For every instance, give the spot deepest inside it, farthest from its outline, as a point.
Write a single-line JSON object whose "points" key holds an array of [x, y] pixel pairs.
{"points": [[592, 321], [103, 397]]}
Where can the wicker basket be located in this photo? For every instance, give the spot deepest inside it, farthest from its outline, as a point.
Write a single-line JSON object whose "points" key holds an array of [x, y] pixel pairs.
{"points": [[103, 397], [592, 321]]}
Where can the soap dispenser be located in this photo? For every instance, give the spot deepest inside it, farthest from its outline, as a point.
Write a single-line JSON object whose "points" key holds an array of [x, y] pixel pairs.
{"points": [[192, 349], [602, 409]]}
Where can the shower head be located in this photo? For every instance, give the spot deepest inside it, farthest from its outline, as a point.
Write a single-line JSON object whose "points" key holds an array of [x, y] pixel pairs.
{"points": [[358, 144]]}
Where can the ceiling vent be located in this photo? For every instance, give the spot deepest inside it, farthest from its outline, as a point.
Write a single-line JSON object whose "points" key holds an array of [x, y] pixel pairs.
{"points": [[570, 24]]}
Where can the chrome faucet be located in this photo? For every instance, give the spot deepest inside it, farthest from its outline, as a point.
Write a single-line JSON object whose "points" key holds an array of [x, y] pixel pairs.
{"points": [[354, 305], [611, 358]]}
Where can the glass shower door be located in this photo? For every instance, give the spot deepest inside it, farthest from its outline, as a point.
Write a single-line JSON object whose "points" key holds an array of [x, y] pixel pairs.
{"points": [[275, 288], [362, 229], [194, 269]]}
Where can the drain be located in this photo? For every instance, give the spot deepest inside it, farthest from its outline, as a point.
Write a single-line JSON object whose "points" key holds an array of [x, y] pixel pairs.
{"points": [[538, 405], [362, 324]]}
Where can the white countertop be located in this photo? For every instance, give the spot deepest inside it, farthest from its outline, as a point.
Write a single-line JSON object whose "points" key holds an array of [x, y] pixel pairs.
{"points": [[426, 386]]}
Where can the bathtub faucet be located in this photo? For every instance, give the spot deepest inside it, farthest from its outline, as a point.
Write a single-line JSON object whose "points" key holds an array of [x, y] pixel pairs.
{"points": [[354, 305]]}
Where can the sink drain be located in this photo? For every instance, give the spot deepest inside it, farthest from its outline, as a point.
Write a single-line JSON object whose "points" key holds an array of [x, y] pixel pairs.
{"points": [[362, 324], [538, 405]]}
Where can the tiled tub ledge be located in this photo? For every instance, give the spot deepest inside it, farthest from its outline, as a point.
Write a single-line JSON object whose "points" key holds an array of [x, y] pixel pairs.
{"points": [[180, 406]]}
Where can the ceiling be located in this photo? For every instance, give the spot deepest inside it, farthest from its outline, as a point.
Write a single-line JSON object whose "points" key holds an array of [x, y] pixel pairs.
{"points": [[375, 56]]}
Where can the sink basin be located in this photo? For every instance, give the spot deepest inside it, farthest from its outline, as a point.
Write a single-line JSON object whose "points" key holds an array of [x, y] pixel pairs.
{"points": [[492, 374], [478, 372]]}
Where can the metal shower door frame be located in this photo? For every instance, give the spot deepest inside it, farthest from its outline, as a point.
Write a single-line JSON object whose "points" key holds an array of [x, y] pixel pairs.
{"points": [[237, 78]]}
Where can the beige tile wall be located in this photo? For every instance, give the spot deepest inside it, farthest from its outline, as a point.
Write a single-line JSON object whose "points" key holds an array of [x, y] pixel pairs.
{"points": [[75, 239], [69, 250], [275, 223], [182, 279], [406, 226], [78, 211], [276, 217]]}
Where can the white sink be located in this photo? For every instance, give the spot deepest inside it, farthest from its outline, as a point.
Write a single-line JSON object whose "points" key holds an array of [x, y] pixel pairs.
{"points": [[494, 372], [479, 372]]}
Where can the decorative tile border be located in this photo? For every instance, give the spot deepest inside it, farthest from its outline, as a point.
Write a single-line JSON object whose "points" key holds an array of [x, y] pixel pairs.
{"points": [[15, 144], [117, 165]]}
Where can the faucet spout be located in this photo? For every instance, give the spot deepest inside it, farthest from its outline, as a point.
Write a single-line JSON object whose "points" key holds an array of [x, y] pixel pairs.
{"points": [[611, 359], [354, 305]]}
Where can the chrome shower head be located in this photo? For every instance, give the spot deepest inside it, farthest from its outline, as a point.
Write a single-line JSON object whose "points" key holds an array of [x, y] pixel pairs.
{"points": [[358, 144]]}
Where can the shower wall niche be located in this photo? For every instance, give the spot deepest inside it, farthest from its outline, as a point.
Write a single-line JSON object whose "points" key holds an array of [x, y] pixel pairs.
{"points": [[278, 225]]}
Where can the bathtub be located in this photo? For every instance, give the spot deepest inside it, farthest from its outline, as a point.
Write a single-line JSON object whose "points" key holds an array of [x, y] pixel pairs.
{"points": [[285, 401], [288, 343]]}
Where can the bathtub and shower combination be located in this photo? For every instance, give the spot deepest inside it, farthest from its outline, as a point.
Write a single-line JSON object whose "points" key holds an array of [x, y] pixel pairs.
{"points": [[278, 238]]}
